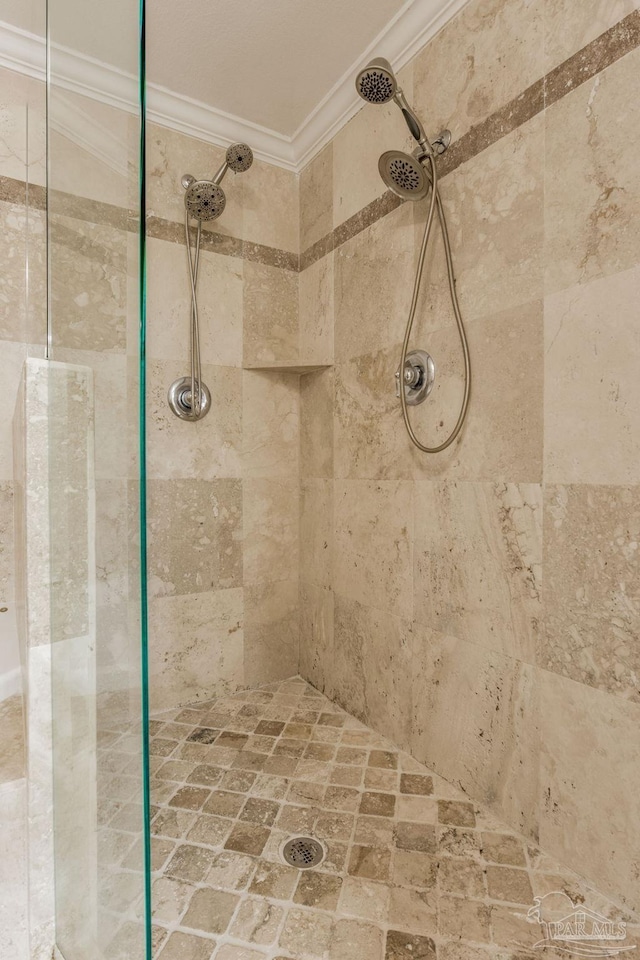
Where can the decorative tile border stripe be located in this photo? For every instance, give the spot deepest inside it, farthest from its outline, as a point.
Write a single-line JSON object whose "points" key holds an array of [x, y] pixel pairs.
{"points": [[66, 206], [605, 50]]}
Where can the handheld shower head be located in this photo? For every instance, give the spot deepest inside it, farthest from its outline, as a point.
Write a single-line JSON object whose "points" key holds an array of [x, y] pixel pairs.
{"points": [[376, 83]]}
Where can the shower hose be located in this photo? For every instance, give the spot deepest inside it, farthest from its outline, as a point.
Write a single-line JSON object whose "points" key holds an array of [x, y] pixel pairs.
{"points": [[436, 202], [194, 340]]}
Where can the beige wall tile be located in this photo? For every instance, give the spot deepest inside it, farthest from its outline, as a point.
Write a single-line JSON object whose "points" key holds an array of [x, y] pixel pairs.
{"points": [[197, 647], [592, 194], [475, 722], [373, 523], [195, 536], [270, 424], [316, 312], [270, 601], [503, 436], [591, 574], [89, 291], [489, 53], [270, 314], [495, 215], [316, 532], [478, 563], [373, 273], [316, 634], [209, 448], [169, 304], [114, 413], [316, 424], [271, 651], [370, 441], [592, 390], [271, 524], [270, 205], [357, 147], [372, 667], [568, 29], [589, 793], [316, 198]]}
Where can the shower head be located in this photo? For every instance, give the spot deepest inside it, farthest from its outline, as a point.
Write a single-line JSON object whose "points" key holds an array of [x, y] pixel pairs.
{"points": [[205, 200], [403, 174], [238, 158], [376, 83]]}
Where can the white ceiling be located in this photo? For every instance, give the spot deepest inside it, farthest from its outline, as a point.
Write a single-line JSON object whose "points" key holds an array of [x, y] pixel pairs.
{"points": [[267, 61]]}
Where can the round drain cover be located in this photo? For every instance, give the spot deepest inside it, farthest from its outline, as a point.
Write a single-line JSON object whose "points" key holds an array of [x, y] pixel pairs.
{"points": [[303, 852]]}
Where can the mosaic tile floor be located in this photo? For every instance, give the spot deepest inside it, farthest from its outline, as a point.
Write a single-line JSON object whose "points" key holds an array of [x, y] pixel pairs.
{"points": [[413, 870]]}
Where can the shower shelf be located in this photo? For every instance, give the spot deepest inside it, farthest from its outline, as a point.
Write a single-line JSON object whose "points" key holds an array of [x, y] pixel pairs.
{"points": [[276, 367]]}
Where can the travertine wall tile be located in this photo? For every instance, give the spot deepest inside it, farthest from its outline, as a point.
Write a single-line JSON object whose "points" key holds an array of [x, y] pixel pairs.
{"points": [[591, 586], [271, 206], [589, 783], [373, 665], [373, 273], [475, 720], [316, 312], [316, 634], [195, 536], [270, 424], [316, 424], [197, 646], [568, 28], [592, 389], [592, 193], [482, 58], [373, 524], [210, 448], [495, 213], [169, 304], [270, 314], [478, 563], [271, 523], [316, 198], [316, 531]]}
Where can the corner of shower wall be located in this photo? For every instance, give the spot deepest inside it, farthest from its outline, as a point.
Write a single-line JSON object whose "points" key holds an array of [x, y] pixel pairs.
{"points": [[59, 394]]}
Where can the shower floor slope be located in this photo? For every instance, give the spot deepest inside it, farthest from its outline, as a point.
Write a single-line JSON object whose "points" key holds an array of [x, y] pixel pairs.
{"points": [[412, 870]]}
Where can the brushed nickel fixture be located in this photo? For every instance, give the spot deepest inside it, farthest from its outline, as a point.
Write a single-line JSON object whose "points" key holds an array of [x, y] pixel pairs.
{"points": [[188, 397], [412, 177], [303, 852]]}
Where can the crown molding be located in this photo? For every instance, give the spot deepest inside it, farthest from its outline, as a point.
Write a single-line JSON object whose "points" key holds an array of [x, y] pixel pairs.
{"points": [[414, 24]]}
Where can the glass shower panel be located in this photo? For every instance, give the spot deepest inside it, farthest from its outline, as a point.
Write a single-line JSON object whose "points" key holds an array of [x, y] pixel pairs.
{"points": [[96, 481]]}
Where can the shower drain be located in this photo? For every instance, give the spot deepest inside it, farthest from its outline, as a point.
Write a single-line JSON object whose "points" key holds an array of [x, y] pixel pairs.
{"points": [[303, 852]]}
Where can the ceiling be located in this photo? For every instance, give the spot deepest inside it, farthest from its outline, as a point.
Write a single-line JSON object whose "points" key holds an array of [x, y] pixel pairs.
{"points": [[269, 62]]}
